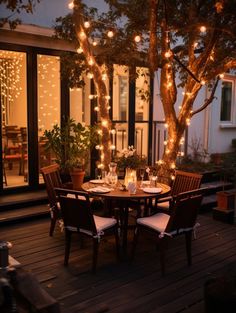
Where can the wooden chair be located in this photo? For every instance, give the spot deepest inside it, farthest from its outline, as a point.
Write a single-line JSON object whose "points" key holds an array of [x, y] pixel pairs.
{"points": [[52, 180], [181, 221], [78, 217], [184, 181]]}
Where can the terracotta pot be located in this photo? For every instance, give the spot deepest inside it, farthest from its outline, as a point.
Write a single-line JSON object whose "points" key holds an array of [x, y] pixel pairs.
{"points": [[225, 199], [77, 177]]}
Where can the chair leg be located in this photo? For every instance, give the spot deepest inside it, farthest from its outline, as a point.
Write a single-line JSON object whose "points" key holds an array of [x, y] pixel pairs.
{"points": [[188, 239], [52, 225], [67, 246], [163, 245], [95, 254], [135, 241], [117, 243]]}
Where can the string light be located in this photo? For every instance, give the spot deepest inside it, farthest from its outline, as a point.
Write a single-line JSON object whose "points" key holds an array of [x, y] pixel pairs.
{"points": [[79, 50], [104, 123], [203, 29], [110, 34], [168, 54], [137, 38], [82, 35], [222, 75], [91, 61], [71, 5], [87, 24]]}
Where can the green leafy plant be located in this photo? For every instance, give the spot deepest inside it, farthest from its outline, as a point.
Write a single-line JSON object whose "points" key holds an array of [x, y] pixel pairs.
{"points": [[71, 144]]}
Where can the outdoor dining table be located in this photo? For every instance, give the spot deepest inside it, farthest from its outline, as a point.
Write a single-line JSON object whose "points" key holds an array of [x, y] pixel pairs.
{"points": [[122, 198]]}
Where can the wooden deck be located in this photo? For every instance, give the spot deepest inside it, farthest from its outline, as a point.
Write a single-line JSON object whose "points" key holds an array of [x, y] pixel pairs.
{"points": [[123, 287]]}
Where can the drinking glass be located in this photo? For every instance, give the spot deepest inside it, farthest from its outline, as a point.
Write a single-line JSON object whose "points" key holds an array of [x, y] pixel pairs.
{"points": [[113, 179], [142, 173]]}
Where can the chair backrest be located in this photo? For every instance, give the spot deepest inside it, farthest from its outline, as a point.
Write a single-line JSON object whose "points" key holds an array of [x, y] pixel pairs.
{"points": [[184, 211], [76, 210], [51, 176], [185, 181]]}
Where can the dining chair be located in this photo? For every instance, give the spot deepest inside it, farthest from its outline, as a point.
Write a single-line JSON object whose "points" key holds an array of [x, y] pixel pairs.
{"points": [[77, 216], [184, 181], [51, 176], [181, 221]]}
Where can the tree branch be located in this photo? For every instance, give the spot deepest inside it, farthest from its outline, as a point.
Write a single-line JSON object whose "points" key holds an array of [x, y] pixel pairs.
{"points": [[207, 101]]}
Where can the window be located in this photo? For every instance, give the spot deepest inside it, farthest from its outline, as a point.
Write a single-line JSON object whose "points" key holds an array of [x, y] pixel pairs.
{"points": [[227, 96]]}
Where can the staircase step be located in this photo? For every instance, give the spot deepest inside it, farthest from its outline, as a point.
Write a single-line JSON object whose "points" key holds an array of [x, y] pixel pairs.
{"points": [[23, 200], [23, 214]]}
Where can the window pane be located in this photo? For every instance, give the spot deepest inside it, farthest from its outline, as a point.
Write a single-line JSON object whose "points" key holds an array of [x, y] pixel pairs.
{"points": [[13, 95], [120, 101], [141, 138], [226, 101], [142, 95], [80, 103], [48, 101]]}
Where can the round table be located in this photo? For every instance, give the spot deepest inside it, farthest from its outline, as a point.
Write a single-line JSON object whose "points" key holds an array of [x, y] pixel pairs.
{"points": [[123, 197]]}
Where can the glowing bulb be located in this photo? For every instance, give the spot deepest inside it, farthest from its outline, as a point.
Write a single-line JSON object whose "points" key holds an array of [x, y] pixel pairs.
{"points": [[202, 82], [165, 143], [137, 38], [82, 35], [203, 29], [99, 132], [166, 125], [86, 24], [172, 166], [112, 147], [90, 75], [110, 34], [168, 54], [79, 50], [188, 121], [195, 44], [95, 43], [91, 61], [91, 97], [104, 76], [104, 123], [96, 108], [71, 5], [113, 131], [222, 75]]}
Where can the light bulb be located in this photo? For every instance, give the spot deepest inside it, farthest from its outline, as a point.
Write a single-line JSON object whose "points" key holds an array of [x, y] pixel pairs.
{"points": [[71, 5], [82, 35], [168, 54], [110, 34], [79, 50], [222, 75], [203, 29], [86, 24], [91, 61], [137, 38]]}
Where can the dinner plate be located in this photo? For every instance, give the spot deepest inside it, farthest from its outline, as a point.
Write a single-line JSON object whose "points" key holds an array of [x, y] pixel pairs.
{"points": [[99, 190], [97, 181], [152, 190]]}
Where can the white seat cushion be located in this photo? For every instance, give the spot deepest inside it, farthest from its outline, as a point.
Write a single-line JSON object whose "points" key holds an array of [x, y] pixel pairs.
{"points": [[103, 223], [157, 221]]}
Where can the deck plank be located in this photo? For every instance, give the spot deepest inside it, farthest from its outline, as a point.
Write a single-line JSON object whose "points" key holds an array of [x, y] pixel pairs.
{"points": [[124, 287]]}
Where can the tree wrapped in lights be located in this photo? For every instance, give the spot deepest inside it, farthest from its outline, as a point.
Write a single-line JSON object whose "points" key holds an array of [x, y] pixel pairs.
{"points": [[189, 44]]}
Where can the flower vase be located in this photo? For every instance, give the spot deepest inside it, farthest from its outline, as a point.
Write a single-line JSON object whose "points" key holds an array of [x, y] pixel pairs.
{"points": [[130, 176]]}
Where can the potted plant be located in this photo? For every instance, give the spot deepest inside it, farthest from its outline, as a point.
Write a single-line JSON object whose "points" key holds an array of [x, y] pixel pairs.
{"points": [[71, 144], [129, 161]]}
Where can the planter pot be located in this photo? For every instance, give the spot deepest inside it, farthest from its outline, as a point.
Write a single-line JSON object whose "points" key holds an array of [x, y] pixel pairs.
{"points": [[225, 199], [77, 177]]}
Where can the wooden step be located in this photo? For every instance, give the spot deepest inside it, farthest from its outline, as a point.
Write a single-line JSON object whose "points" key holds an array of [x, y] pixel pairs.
{"points": [[23, 200], [24, 214]]}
